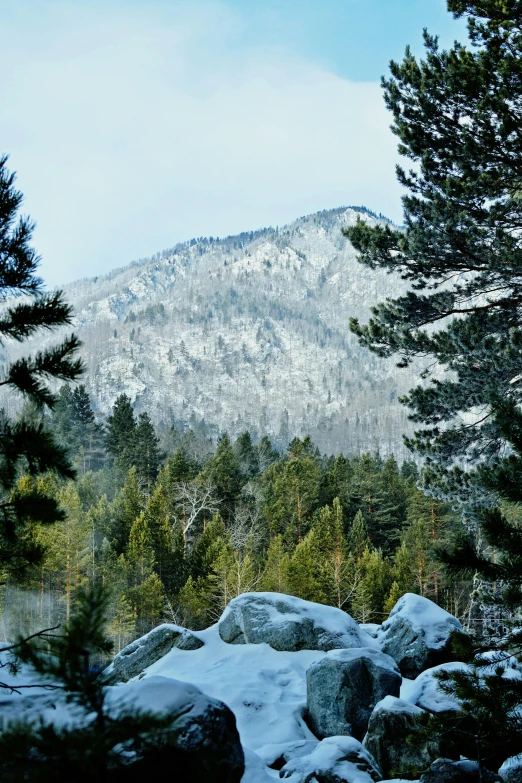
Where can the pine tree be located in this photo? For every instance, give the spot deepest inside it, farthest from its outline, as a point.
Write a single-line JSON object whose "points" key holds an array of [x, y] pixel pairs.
{"points": [[456, 116], [223, 472], [26, 445], [146, 455], [121, 432], [128, 504], [275, 574], [96, 745]]}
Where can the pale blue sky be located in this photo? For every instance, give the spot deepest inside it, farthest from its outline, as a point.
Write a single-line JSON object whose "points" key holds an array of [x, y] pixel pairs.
{"points": [[134, 124]]}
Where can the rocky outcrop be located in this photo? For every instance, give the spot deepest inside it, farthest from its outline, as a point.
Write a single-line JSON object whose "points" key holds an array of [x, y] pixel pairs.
{"points": [[343, 688], [391, 722], [289, 624], [201, 743], [419, 634], [334, 760], [447, 771], [133, 659]]}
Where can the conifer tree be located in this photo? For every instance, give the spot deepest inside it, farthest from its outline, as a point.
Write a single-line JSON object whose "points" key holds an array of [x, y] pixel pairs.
{"points": [[456, 116], [146, 455], [24, 445], [275, 574], [121, 433]]}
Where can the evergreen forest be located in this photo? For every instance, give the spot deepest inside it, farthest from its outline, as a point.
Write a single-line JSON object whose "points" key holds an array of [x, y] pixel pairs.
{"points": [[177, 525]]}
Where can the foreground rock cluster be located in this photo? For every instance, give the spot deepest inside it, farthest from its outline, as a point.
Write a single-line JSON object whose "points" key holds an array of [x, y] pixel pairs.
{"points": [[366, 688], [285, 689]]}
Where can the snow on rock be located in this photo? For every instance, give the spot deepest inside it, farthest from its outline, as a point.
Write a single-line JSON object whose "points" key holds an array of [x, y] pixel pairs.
{"points": [[447, 771], [419, 635], [425, 691], [343, 688], [373, 629], [391, 722], [264, 688], [278, 754], [207, 744], [334, 760], [143, 652], [511, 770], [207, 741], [287, 623]]}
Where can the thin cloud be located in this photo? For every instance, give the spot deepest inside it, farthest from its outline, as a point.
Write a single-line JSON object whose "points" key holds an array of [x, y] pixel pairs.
{"points": [[134, 126]]}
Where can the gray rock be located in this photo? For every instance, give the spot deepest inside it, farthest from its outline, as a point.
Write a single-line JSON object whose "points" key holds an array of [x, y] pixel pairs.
{"points": [[447, 771], [391, 722], [344, 687], [334, 760], [419, 634], [511, 770], [204, 741], [137, 656], [289, 624]]}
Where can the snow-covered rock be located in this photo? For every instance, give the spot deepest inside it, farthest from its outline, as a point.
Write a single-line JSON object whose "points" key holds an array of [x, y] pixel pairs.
{"points": [[425, 690], [447, 771], [207, 745], [137, 656], [343, 688], [205, 742], [334, 760], [289, 624], [511, 770], [391, 722], [277, 755], [419, 635]]}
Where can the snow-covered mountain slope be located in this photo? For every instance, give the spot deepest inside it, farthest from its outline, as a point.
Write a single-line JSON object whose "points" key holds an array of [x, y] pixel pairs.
{"points": [[250, 331]]}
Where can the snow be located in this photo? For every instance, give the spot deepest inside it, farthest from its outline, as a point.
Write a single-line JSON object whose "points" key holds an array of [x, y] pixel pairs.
{"points": [[375, 656], [393, 704], [280, 609], [330, 757], [424, 616], [264, 688], [425, 690], [373, 629]]}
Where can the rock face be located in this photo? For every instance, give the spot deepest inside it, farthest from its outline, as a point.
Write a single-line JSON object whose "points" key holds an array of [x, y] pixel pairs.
{"points": [[334, 760], [134, 658], [343, 688], [511, 770], [419, 634], [206, 745], [447, 771], [289, 624], [391, 721]]}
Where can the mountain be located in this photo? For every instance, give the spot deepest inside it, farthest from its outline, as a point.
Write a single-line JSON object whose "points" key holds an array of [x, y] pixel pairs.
{"points": [[248, 332]]}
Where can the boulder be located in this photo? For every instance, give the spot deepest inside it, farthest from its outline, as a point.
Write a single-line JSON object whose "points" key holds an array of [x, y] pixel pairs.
{"points": [[202, 741], [334, 760], [447, 771], [137, 656], [511, 770], [343, 688], [276, 755], [289, 624], [425, 691], [418, 634], [391, 722]]}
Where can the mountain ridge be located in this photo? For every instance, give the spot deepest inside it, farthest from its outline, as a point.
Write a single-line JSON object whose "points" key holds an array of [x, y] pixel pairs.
{"points": [[249, 332]]}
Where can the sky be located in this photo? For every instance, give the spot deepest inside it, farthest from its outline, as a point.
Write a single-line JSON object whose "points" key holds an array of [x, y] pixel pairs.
{"points": [[135, 124]]}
